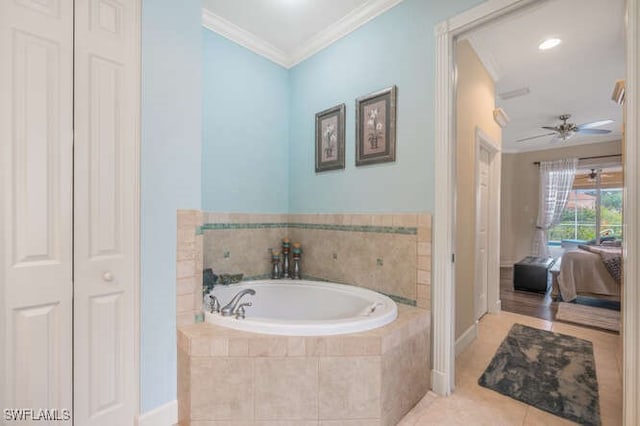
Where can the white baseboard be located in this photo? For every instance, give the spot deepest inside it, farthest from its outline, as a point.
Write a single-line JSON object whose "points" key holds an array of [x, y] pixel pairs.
{"points": [[467, 337], [438, 383], [165, 415]]}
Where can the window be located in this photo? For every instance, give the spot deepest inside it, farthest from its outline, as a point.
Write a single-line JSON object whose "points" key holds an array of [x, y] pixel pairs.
{"points": [[579, 220]]}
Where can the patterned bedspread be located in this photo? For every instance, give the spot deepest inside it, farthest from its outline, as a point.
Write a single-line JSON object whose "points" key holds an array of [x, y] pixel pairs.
{"points": [[611, 257]]}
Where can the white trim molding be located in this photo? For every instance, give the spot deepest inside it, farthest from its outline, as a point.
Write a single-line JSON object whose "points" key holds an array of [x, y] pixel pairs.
{"points": [[334, 32], [244, 38], [165, 415], [487, 59], [631, 156], [349, 23], [466, 338], [443, 289]]}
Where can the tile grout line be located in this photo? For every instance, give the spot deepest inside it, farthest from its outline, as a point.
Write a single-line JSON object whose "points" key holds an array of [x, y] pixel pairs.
{"points": [[526, 414]]}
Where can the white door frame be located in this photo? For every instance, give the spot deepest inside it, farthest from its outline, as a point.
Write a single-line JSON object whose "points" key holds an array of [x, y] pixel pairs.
{"points": [[484, 141], [444, 223]]}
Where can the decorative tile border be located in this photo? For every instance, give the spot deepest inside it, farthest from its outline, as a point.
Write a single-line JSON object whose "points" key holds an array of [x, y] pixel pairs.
{"points": [[222, 226], [400, 299], [357, 228], [325, 227]]}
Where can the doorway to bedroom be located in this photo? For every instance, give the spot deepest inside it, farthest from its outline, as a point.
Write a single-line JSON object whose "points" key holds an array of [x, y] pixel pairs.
{"points": [[448, 34], [540, 110]]}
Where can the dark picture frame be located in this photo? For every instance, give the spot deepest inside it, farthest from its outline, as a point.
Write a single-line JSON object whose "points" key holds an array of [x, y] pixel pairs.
{"points": [[376, 127], [330, 132]]}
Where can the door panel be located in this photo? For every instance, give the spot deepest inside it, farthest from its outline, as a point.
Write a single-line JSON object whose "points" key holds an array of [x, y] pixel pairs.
{"points": [[482, 269], [36, 157], [105, 313], [106, 111]]}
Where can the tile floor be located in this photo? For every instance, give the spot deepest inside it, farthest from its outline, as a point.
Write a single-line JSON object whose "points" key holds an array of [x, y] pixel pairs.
{"points": [[472, 404]]}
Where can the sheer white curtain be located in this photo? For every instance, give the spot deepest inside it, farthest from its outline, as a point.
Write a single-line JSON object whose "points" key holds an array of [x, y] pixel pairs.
{"points": [[556, 181]]}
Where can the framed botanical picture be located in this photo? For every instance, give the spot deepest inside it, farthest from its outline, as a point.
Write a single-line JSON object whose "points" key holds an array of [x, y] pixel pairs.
{"points": [[376, 127], [330, 139]]}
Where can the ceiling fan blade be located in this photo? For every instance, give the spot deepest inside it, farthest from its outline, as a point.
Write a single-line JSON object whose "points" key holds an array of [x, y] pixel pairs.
{"points": [[535, 137], [555, 129], [593, 124], [593, 131]]}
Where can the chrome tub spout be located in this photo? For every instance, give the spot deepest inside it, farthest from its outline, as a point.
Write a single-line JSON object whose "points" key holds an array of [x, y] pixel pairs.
{"points": [[231, 308]]}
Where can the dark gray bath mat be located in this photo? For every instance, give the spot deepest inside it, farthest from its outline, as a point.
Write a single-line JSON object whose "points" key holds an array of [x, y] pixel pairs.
{"points": [[550, 371]]}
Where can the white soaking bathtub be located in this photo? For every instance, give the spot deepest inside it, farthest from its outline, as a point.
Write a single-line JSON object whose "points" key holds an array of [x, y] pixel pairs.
{"points": [[305, 308]]}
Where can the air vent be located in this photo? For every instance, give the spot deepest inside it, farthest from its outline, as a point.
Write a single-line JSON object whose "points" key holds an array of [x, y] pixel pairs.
{"points": [[514, 93]]}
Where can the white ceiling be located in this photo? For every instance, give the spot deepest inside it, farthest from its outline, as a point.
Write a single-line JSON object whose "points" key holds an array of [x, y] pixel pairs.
{"points": [[577, 77], [289, 31]]}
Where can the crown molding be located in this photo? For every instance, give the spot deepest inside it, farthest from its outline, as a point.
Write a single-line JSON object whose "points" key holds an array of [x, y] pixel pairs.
{"points": [[486, 57], [229, 30], [349, 23]]}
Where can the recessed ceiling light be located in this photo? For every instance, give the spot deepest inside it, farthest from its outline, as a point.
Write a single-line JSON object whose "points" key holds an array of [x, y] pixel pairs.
{"points": [[549, 43]]}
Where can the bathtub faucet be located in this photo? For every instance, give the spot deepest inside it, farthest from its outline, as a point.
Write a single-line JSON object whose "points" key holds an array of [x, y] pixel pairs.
{"points": [[231, 308]]}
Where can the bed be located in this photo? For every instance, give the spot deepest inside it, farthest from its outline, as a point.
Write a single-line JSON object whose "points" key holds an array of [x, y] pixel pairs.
{"points": [[583, 272]]}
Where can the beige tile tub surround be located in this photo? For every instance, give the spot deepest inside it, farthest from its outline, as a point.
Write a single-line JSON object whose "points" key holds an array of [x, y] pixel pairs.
{"points": [[371, 378], [189, 266], [231, 251], [397, 264]]}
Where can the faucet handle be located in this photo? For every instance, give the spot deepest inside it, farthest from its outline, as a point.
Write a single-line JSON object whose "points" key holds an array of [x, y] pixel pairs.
{"points": [[240, 311], [214, 304]]}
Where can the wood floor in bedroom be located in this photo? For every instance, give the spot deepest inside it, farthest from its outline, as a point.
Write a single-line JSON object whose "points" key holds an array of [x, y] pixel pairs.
{"points": [[524, 302]]}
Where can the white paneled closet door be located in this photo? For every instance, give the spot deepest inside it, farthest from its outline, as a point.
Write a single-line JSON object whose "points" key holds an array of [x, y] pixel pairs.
{"points": [[106, 97], [69, 138], [36, 160]]}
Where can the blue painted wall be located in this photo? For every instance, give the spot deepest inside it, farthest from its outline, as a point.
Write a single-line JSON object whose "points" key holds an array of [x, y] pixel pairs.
{"points": [[258, 131], [398, 48], [245, 149], [170, 177]]}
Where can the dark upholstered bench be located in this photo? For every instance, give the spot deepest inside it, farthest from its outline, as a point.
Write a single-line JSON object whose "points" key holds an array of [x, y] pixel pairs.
{"points": [[532, 274]]}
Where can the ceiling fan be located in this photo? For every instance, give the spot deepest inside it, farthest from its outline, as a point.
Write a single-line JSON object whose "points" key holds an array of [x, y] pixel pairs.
{"points": [[565, 131]]}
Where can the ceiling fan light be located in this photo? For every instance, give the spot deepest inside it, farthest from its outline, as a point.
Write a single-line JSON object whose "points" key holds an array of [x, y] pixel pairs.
{"points": [[567, 134], [549, 43]]}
